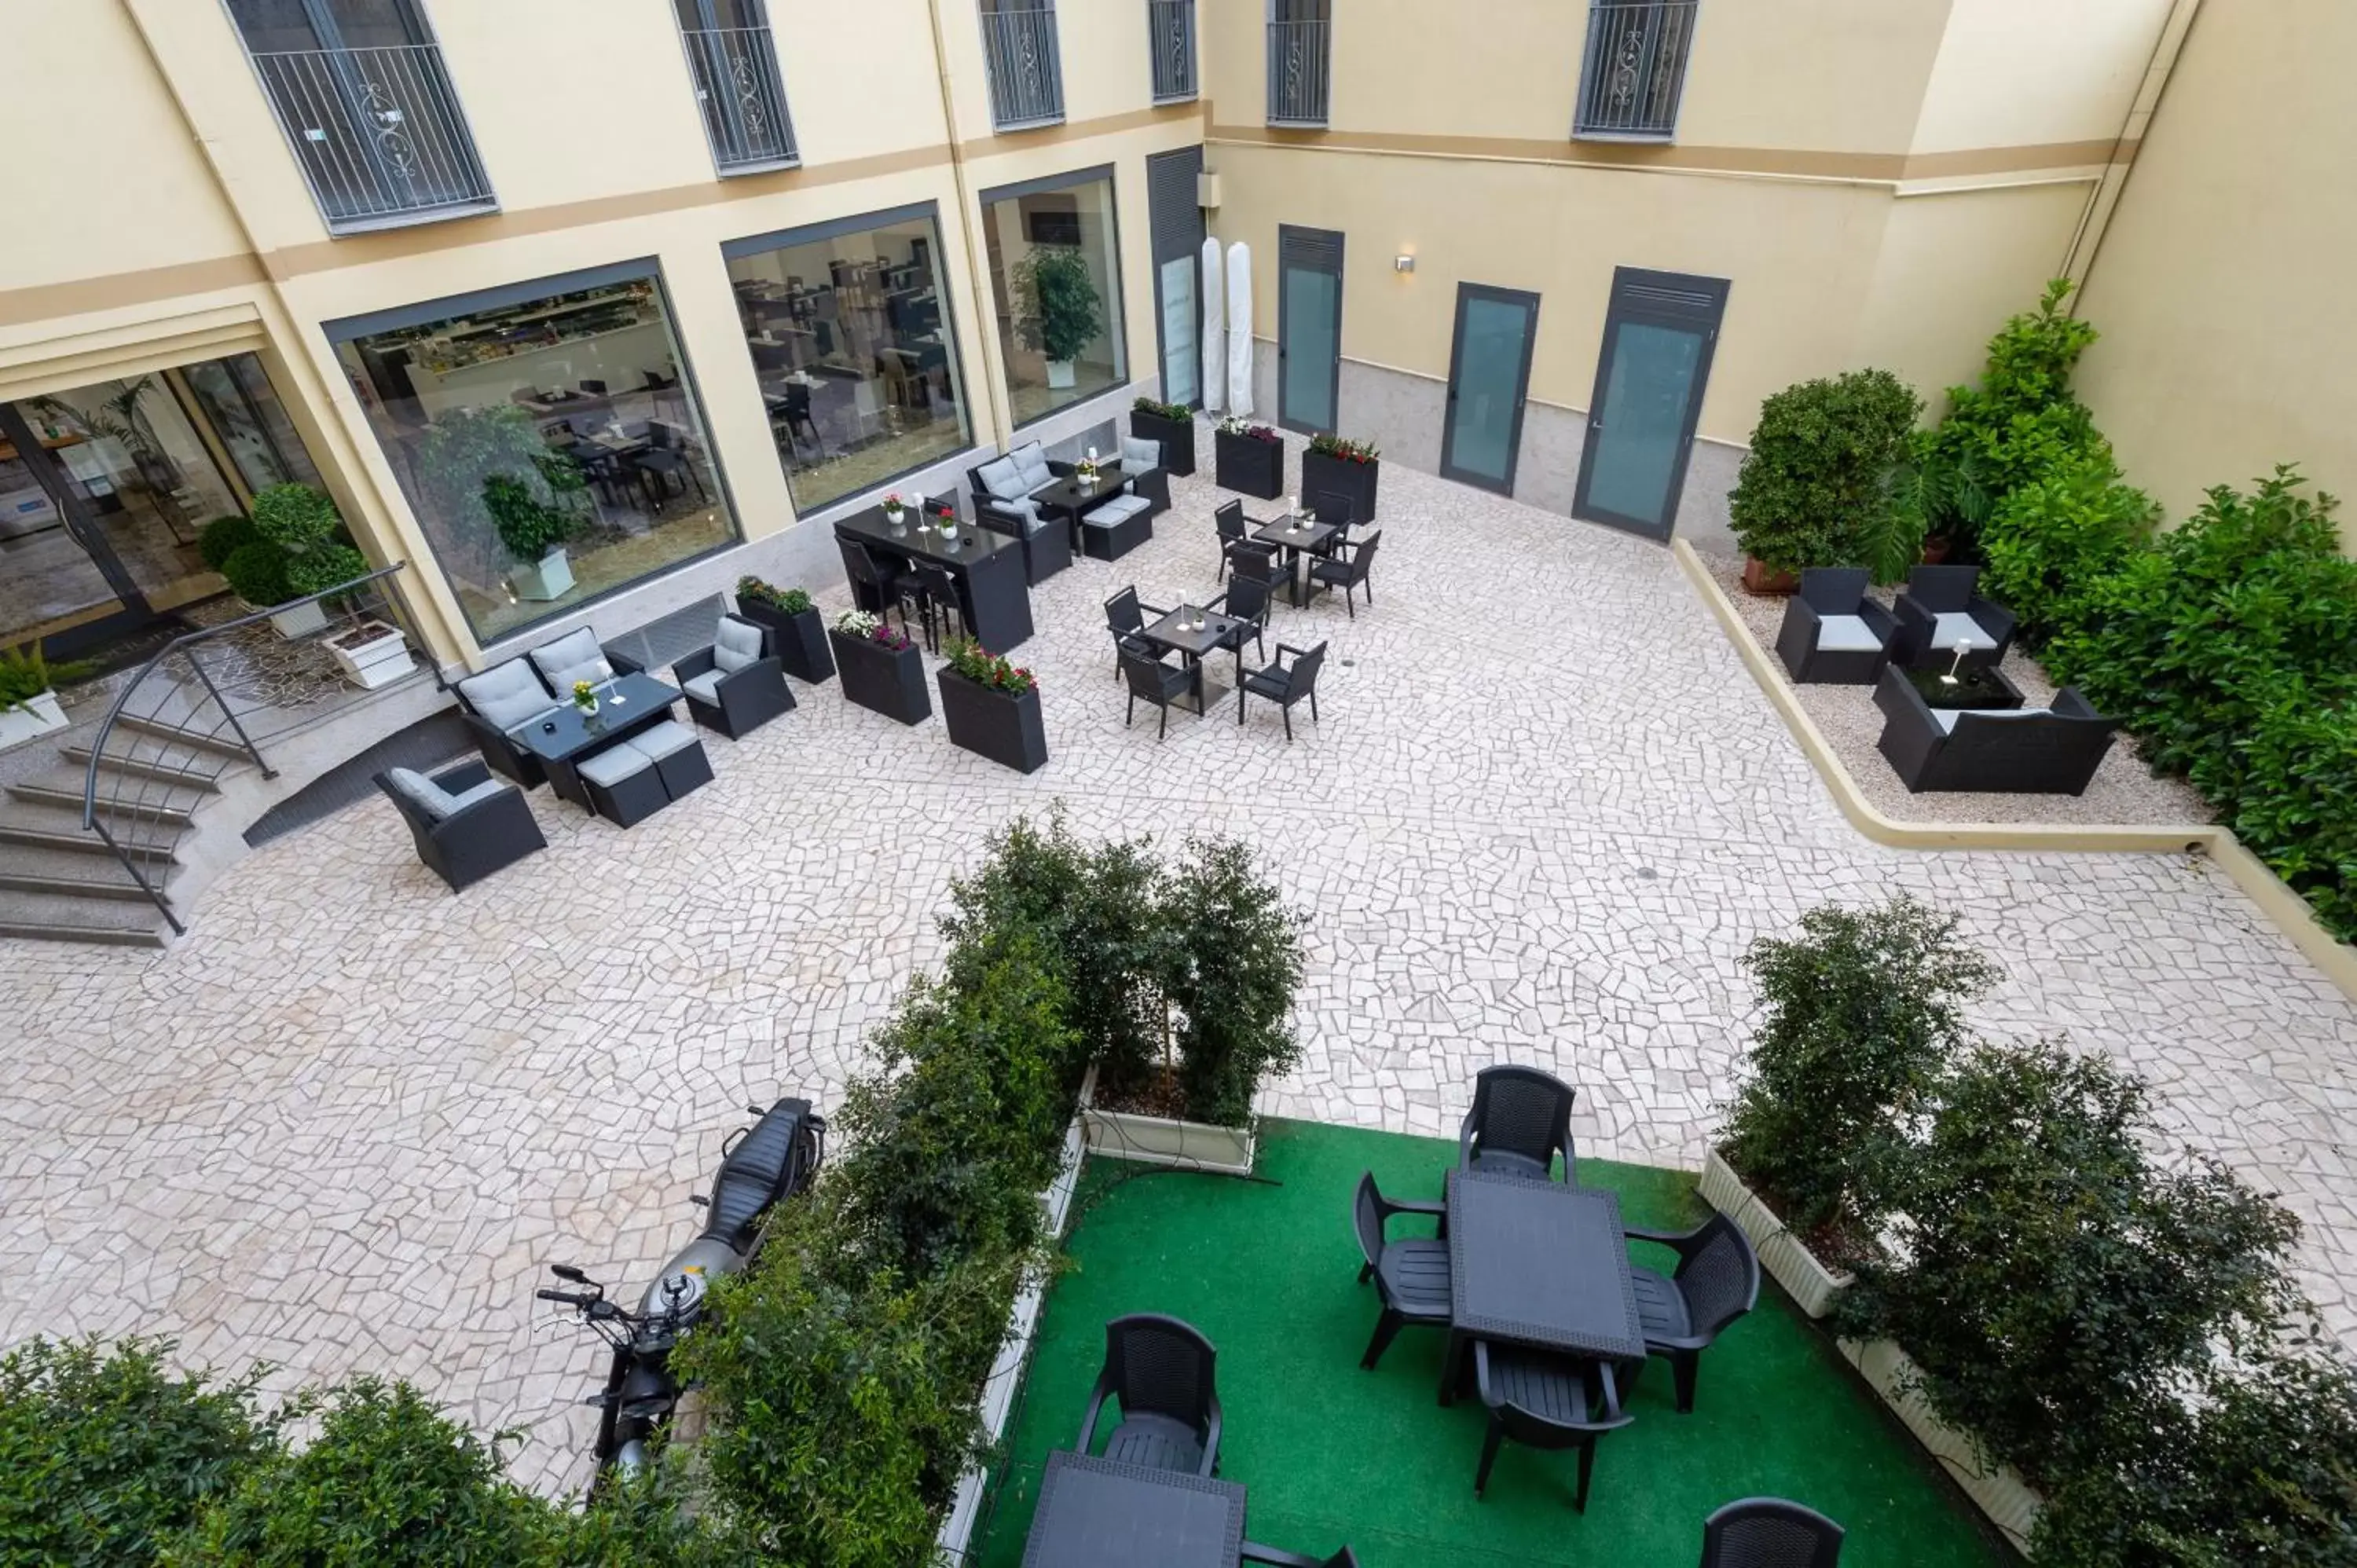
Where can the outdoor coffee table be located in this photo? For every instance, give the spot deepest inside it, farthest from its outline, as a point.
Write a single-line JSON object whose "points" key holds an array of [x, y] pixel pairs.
{"points": [[564, 737], [1294, 534], [1192, 645], [1538, 1263], [1094, 1513], [1067, 496], [1986, 688]]}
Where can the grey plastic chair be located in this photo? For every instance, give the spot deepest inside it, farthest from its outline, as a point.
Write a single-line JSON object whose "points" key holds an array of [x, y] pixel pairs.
{"points": [[1717, 1281], [1411, 1276], [1521, 1119], [1543, 1400], [1161, 1371], [1769, 1532]]}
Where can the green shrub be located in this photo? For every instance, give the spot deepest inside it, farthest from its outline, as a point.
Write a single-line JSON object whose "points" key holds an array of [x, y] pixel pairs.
{"points": [[2287, 788], [222, 535], [323, 567], [528, 526], [1177, 413], [296, 518], [1057, 306], [2053, 539], [1814, 489], [256, 573], [106, 1454], [753, 590], [1863, 1008], [1236, 965]]}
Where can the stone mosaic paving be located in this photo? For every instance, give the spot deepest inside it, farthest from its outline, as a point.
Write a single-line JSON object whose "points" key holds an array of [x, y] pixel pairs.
{"points": [[345, 1122]]}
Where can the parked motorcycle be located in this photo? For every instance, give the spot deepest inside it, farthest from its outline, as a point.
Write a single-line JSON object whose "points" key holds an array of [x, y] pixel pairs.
{"points": [[775, 1158]]}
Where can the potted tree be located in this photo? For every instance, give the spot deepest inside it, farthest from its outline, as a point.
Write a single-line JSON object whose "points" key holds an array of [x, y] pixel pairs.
{"points": [[1818, 486], [1249, 458], [1057, 307], [1336, 466], [314, 555], [992, 708], [526, 517], [1171, 424], [28, 697], [794, 627], [534, 531], [882, 670]]}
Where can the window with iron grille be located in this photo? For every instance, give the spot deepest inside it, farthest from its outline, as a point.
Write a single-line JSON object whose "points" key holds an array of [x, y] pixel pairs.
{"points": [[1027, 71], [1299, 62], [1170, 34], [733, 58], [1634, 68], [368, 108]]}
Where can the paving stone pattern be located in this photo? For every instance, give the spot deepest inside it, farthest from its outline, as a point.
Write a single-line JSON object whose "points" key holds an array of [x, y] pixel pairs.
{"points": [[348, 1121]]}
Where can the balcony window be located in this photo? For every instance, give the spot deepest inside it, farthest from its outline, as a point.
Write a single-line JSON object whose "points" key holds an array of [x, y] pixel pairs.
{"points": [[1170, 31], [1055, 280], [1635, 68], [547, 436], [1027, 73], [734, 62], [1299, 62], [851, 339], [361, 92]]}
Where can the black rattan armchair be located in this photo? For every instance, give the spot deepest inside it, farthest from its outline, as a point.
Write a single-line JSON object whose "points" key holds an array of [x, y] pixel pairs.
{"points": [[1150, 678], [1162, 1372], [1411, 1276], [1543, 1400], [461, 839], [1520, 1120], [1254, 1551], [1127, 613], [497, 703], [1229, 523], [1284, 684], [1717, 1281], [1346, 569], [1834, 632], [1769, 1532], [739, 684], [1937, 607]]}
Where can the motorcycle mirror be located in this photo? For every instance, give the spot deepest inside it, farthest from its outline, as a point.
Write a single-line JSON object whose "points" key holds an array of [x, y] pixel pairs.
{"points": [[568, 1273]]}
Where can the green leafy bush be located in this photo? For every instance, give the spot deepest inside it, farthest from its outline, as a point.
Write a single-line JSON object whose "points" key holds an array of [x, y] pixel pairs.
{"points": [[1814, 489], [1864, 1009], [1177, 413], [791, 601], [2054, 537], [323, 567], [256, 573], [527, 525], [2288, 790], [1236, 965], [296, 518], [219, 538], [1056, 302]]}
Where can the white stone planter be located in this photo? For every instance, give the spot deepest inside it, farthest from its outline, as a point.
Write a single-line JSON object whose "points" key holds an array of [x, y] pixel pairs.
{"points": [[1999, 1493], [1155, 1140], [1811, 1285], [36, 716], [1060, 374], [550, 577], [301, 621], [377, 659]]}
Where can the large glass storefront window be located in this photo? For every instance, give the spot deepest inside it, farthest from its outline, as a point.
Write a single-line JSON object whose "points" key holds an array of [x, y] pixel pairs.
{"points": [[545, 437], [1055, 277], [851, 339]]}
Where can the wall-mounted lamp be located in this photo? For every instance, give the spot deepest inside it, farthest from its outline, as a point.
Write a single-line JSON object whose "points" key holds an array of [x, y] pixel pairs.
{"points": [[1403, 263]]}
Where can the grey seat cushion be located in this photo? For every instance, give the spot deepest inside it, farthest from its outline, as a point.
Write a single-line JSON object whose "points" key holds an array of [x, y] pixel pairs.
{"points": [[1002, 480], [1846, 634], [1028, 511], [704, 688], [1121, 508], [1032, 466], [508, 695], [1953, 625], [1138, 455], [576, 656], [432, 798], [613, 765], [664, 738], [735, 645]]}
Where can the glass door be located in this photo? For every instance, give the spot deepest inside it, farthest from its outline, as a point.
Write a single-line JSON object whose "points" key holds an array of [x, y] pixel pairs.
{"points": [[1181, 364], [1175, 228], [59, 585], [1489, 375], [1309, 327], [1649, 378]]}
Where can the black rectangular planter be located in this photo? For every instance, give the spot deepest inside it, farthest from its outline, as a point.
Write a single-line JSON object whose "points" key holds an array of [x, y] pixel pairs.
{"points": [[798, 641], [998, 726], [881, 679], [1252, 468], [1177, 440], [1321, 474]]}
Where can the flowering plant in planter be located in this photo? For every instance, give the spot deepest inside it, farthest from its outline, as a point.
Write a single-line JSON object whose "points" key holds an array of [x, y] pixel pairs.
{"points": [[584, 696], [895, 507], [969, 658], [866, 626], [1086, 470], [1231, 425], [753, 590], [1346, 450]]}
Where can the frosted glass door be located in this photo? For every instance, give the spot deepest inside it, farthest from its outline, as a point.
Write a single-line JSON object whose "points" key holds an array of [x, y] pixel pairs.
{"points": [[1658, 339], [1181, 364], [1489, 373]]}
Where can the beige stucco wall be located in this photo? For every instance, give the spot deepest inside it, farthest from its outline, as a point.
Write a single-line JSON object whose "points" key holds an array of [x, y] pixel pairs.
{"points": [[2035, 72], [2220, 284]]}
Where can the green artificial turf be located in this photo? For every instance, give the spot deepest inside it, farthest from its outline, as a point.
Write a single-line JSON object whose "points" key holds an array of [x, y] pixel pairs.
{"points": [[1268, 1271]]}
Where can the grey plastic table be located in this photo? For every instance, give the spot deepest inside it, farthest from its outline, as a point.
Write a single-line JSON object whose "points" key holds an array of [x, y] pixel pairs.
{"points": [[1540, 1263], [1094, 1513]]}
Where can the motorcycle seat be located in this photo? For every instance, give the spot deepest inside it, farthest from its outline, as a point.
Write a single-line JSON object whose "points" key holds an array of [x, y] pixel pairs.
{"points": [[770, 1162]]}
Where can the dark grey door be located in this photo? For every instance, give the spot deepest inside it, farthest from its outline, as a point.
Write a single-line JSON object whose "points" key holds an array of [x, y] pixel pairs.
{"points": [[1658, 338], [1309, 327], [1177, 226], [1488, 376]]}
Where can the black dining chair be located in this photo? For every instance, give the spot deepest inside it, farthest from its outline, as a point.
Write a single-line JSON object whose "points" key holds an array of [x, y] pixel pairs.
{"points": [[891, 582], [1411, 1276], [1246, 601], [1521, 1119], [1161, 1370], [1150, 678], [1717, 1281], [1229, 523], [1547, 1402], [1127, 615], [1254, 1552], [936, 592], [796, 415], [1330, 507], [1770, 1532], [1346, 569], [1284, 684]]}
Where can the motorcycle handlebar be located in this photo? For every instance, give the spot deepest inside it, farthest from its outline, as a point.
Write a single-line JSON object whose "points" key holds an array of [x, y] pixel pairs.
{"points": [[564, 1297]]}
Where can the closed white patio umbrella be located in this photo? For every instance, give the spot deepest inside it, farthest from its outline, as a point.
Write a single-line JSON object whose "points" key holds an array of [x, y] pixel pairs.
{"points": [[1240, 334], [1214, 345]]}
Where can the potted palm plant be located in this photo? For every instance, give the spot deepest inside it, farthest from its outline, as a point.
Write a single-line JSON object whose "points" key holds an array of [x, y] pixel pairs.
{"points": [[794, 627], [1172, 425], [1249, 458], [28, 697], [1057, 308], [1336, 466], [991, 707], [882, 670]]}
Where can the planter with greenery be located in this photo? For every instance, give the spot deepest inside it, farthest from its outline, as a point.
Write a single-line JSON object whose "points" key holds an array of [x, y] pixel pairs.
{"points": [[882, 670], [29, 698], [371, 654], [222, 537], [797, 632], [1333, 465], [991, 707], [297, 547], [532, 531], [1057, 307], [1248, 458], [1171, 424], [505, 500], [1816, 487]]}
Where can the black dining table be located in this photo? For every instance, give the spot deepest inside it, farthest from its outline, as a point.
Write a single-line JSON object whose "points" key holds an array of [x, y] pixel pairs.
{"points": [[627, 704], [993, 588], [1294, 534], [1540, 1263], [1175, 631], [1096, 1513]]}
